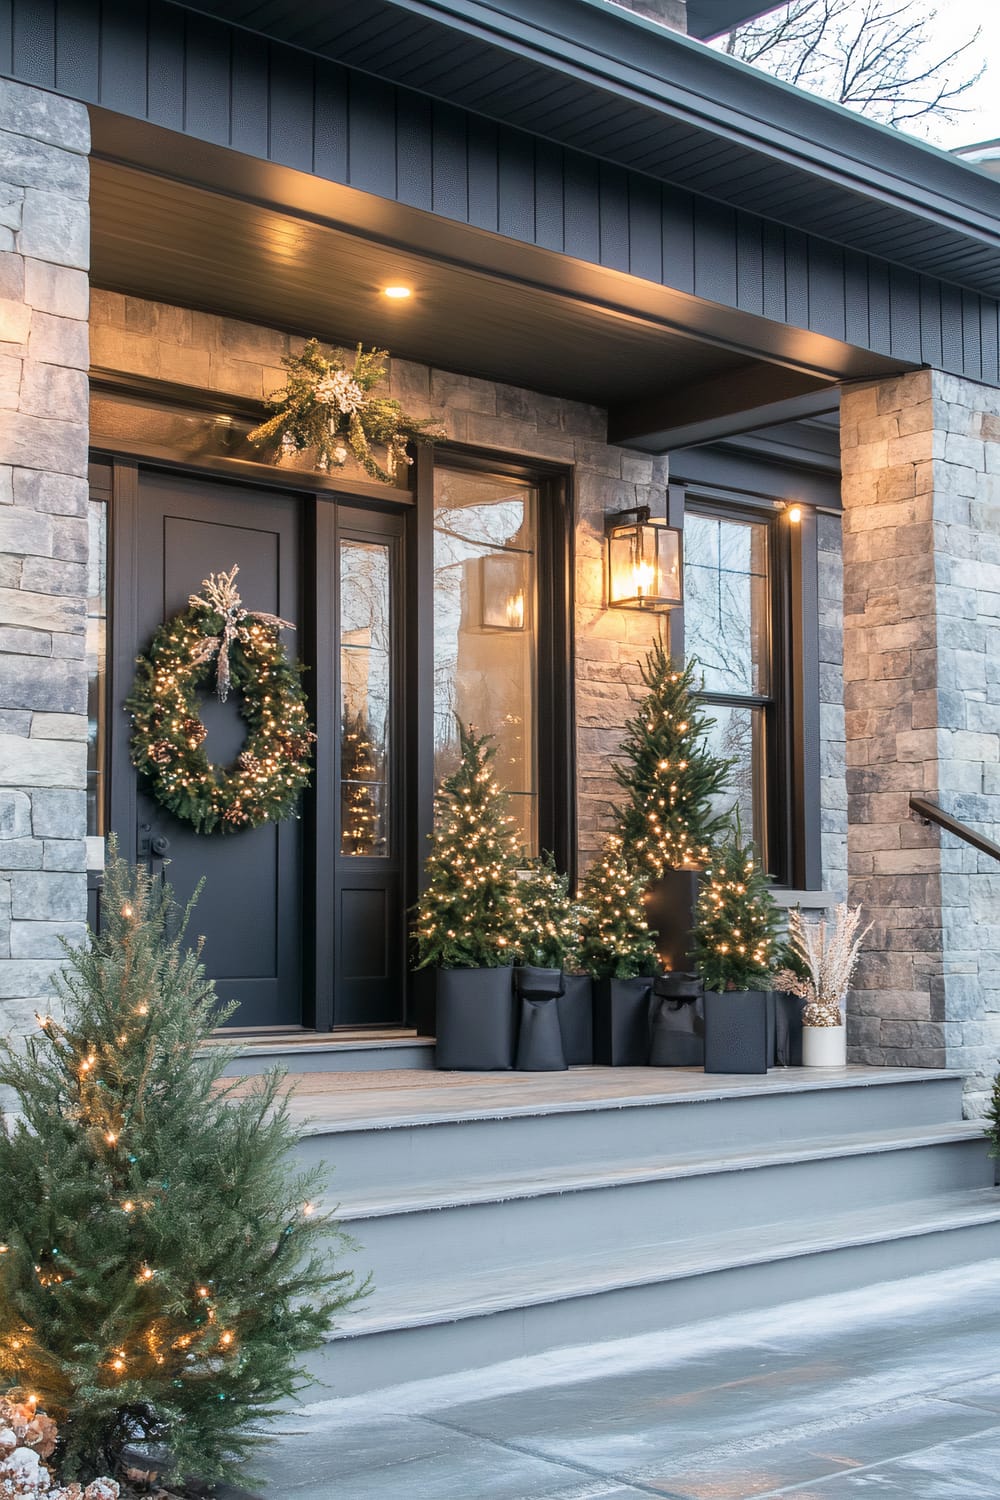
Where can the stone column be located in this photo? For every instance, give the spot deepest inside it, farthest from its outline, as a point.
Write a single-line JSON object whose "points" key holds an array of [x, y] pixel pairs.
{"points": [[44, 251], [921, 464], [670, 13]]}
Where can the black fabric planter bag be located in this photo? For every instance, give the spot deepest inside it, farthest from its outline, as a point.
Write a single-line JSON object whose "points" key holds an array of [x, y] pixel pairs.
{"points": [[533, 983], [739, 1031], [576, 1019], [621, 1022], [787, 1029], [475, 1020], [677, 1022], [539, 1041]]}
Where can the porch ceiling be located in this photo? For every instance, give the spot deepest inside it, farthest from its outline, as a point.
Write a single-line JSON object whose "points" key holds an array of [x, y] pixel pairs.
{"points": [[164, 240]]}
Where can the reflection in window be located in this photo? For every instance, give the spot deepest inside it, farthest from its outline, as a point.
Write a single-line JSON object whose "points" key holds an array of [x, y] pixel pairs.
{"points": [[366, 697], [485, 544], [727, 617], [97, 676], [726, 602]]}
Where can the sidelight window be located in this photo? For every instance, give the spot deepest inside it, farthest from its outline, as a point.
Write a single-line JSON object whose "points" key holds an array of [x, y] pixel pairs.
{"points": [[485, 640], [366, 697]]}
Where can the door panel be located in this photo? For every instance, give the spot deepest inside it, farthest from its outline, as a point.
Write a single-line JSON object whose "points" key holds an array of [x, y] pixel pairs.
{"points": [[250, 909]]}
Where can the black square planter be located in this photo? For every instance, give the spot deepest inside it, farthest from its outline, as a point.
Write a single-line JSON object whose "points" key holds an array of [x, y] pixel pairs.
{"points": [[621, 1022], [476, 1024], [576, 1019], [739, 1031]]}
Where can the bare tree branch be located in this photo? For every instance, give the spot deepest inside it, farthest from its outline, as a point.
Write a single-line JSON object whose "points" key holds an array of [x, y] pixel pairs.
{"points": [[875, 56]]}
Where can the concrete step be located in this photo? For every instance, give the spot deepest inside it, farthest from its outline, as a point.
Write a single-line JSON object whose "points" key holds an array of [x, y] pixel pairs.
{"points": [[332, 1053], [395, 1139], [444, 1323], [488, 1220]]}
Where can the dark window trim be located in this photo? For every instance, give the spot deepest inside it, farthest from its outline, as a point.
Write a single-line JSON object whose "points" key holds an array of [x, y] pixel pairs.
{"points": [[792, 716]]}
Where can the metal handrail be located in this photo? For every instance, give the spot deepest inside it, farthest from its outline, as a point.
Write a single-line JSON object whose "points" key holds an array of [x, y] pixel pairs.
{"points": [[931, 813]]}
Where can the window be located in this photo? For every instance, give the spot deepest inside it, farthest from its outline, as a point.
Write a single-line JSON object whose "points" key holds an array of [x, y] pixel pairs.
{"points": [[486, 538], [97, 675], [750, 617], [727, 626], [366, 729]]}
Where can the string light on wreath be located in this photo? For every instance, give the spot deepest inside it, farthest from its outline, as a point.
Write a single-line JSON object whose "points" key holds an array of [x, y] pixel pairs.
{"points": [[218, 637]]}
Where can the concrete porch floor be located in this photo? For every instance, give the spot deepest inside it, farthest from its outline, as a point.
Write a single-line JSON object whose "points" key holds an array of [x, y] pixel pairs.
{"points": [[892, 1391], [357, 1100]]}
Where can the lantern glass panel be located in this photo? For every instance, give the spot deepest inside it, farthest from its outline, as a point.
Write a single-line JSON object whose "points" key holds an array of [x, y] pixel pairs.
{"points": [[644, 566]]}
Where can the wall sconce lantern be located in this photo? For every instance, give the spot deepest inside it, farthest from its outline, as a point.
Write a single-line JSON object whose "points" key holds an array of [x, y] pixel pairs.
{"points": [[644, 561], [504, 591]]}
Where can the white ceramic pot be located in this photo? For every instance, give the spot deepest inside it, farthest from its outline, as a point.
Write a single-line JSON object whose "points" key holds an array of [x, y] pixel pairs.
{"points": [[824, 1046]]}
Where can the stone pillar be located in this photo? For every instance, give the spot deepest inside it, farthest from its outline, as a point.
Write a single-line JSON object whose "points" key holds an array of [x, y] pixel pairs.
{"points": [[669, 13], [44, 251], [921, 464]]}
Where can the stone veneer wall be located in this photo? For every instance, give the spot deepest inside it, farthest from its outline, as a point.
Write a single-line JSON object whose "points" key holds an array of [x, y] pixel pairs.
{"points": [[921, 460], [44, 250], [221, 354]]}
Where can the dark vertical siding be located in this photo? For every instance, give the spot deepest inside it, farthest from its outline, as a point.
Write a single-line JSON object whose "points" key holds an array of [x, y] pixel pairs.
{"points": [[166, 63], [292, 127], [207, 79], [645, 232], [415, 152], [483, 174], [450, 163], [613, 190], [77, 51], [549, 220], [33, 42], [330, 144], [187, 72]]}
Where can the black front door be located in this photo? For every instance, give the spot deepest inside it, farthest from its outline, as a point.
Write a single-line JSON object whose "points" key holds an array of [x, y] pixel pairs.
{"points": [[304, 920], [250, 910]]}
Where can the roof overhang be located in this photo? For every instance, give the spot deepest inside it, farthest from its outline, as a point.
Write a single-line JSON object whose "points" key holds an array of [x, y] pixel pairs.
{"points": [[605, 81]]}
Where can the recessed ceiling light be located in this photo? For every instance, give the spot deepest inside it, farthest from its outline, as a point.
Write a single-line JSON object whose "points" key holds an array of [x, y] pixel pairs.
{"points": [[397, 293]]}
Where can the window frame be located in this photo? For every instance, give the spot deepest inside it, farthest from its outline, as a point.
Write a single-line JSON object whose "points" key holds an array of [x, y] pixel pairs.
{"points": [[793, 852]]}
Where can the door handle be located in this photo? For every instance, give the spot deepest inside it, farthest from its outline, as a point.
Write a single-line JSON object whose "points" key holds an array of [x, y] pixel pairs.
{"points": [[159, 846]]}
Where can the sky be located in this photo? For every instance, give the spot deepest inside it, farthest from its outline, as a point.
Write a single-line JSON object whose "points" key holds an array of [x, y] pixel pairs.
{"points": [[956, 20]]}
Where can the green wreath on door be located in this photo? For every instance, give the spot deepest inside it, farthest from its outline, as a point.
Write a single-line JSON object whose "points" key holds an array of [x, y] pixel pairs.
{"points": [[217, 637]]}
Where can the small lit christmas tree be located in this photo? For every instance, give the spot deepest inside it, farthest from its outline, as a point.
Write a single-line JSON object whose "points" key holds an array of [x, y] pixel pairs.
{"points": [[547, 918], [161, 1264], [360, 769], [737, 940], [615, 940], [465, 917], [669, 774]]}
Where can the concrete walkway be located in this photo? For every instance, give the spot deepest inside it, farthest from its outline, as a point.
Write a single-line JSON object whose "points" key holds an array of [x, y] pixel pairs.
{"points": [[889, 1392]]}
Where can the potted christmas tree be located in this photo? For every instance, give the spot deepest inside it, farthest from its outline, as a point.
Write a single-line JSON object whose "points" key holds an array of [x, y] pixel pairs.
{"points": [[464, 925], [671, 778], [162, 1264], [548, 943], [736, 942], [820, 965], [618, 950]]}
